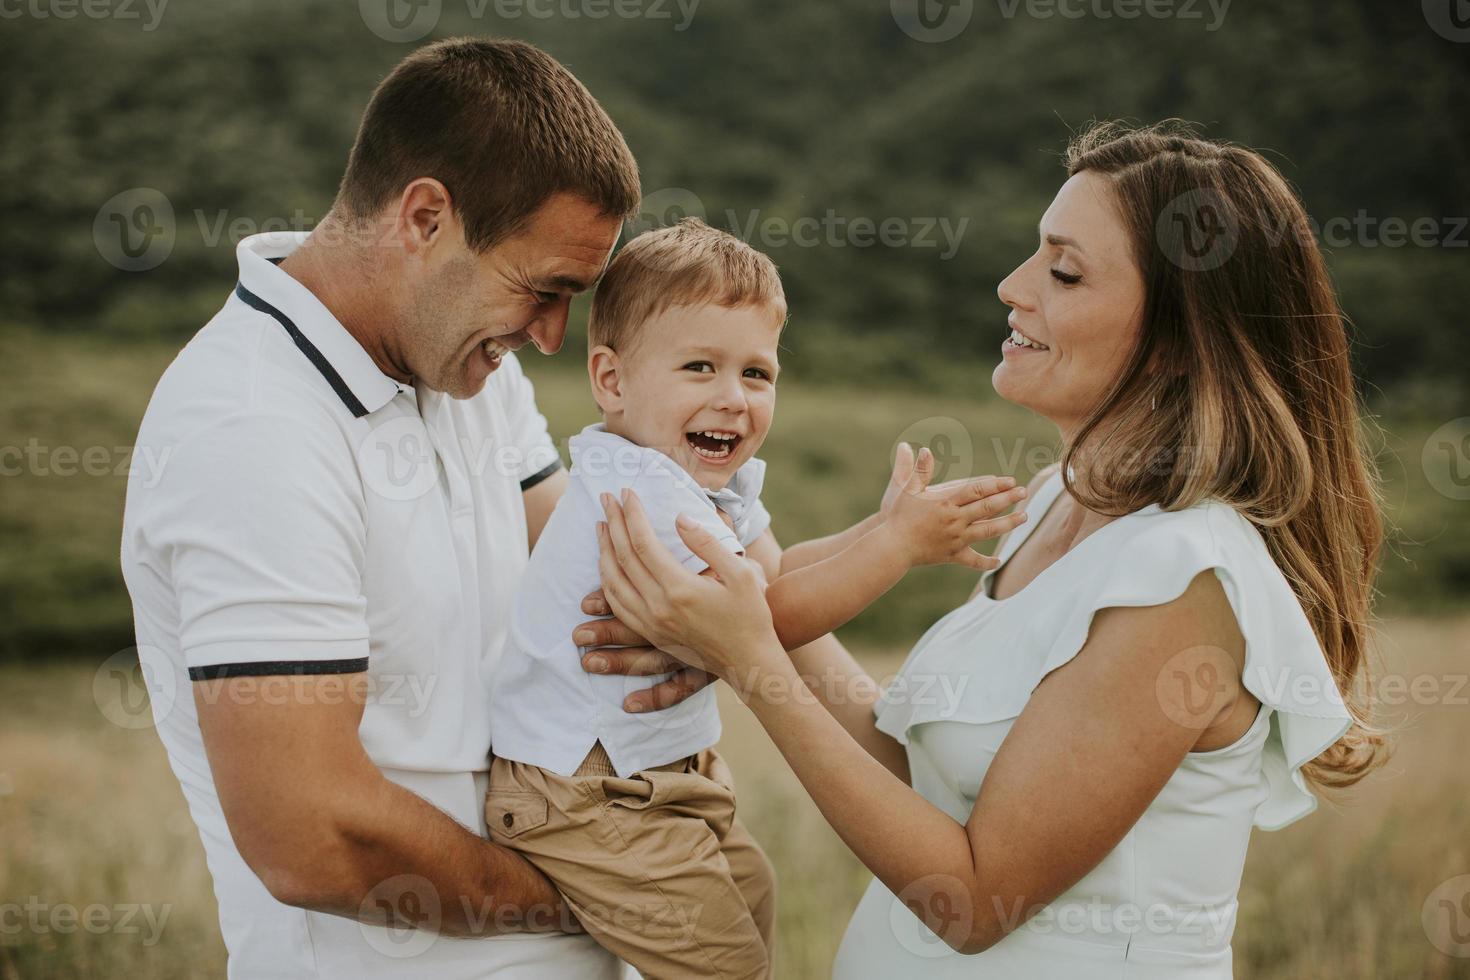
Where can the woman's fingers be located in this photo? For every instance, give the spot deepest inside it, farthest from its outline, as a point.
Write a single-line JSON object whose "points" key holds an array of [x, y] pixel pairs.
{"points": [[658, 559], [622, 598], [681, 686], [726, 563], [626, 551], [631, 661]]}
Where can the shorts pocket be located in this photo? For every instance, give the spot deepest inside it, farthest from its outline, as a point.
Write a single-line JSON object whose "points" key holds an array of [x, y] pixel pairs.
{"points": [[509, 813]]}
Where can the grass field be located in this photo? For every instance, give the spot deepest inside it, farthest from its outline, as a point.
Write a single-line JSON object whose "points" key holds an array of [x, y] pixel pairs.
{"points": [[92, 822], [91, 815]]}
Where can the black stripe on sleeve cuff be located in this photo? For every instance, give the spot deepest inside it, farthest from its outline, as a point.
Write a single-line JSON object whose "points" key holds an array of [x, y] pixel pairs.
{"points": [[537, 477], [272, 668]]}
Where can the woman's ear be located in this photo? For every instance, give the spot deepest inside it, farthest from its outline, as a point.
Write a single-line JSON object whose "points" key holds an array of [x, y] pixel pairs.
{"points": [[603, 369]]}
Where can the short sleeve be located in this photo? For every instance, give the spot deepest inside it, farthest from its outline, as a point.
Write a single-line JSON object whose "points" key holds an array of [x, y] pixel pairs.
{"points": [[261, 522], [536, 455], [753, 523], [1285, 668]]}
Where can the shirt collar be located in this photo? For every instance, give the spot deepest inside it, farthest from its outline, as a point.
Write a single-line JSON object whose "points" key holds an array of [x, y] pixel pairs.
{"points": [[736, 499], [342, 361]]}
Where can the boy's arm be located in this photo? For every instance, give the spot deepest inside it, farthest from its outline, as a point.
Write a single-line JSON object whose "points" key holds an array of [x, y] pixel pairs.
{"points": [[815, 599], [810, 552], [921, 527]]}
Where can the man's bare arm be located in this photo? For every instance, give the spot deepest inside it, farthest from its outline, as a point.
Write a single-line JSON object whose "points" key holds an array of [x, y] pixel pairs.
{"points": [[324, 830]]}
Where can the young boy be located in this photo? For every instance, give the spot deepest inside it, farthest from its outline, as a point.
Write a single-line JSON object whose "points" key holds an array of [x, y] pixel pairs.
{"points": [[633, 815]]}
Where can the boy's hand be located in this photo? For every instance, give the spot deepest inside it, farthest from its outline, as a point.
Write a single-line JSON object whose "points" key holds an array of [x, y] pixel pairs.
{"points": [[939, 525]]}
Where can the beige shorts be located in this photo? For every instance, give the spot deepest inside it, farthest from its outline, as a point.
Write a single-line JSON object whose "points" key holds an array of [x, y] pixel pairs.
{"points": [[656, 866]]}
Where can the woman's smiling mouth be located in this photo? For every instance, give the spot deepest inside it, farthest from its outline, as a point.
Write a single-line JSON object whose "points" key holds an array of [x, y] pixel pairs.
{"points": [[1018, 339]]}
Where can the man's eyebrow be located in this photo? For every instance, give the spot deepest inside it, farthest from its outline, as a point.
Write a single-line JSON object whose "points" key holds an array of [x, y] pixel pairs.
{"points": [[1062, 240], [569, 284]]}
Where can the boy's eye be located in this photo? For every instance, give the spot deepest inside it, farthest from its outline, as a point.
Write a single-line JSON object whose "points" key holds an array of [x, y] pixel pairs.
{"points": [[757, 373], [700, 366]]}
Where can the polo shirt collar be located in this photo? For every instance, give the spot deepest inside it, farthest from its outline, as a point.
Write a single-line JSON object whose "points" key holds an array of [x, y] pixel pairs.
{"points": [[335, 353], [736, 499]]}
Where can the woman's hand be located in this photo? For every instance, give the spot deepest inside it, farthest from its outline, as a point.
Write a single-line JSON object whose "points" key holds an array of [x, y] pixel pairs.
{"points": [[718, 621]]}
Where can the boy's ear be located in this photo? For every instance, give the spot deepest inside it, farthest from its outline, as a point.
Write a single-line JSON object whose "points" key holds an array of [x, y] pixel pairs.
{"points": [[603, 370]]}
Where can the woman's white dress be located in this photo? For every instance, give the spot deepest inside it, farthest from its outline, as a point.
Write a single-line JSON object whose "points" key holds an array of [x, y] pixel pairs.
{"points": [[1162, 904]]}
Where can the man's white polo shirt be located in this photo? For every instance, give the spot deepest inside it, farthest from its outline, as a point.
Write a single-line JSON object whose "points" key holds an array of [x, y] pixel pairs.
{"points": [[315, 516]]}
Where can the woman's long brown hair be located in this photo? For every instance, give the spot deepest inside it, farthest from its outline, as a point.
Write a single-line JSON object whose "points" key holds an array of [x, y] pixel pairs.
{"points": [[1240, 388]]}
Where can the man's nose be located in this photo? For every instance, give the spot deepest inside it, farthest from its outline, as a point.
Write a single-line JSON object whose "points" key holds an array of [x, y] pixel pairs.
{"points": [[549, 328]]}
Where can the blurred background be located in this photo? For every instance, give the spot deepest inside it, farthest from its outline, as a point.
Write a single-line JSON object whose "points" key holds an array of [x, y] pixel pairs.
{"points": [[893, 157]]}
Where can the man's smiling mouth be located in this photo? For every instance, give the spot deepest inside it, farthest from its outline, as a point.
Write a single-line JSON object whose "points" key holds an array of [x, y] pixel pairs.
{"points": [[713, 444]]}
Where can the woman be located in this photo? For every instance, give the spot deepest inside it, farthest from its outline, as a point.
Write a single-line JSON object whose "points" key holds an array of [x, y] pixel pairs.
{"points": [[1166, 653]]}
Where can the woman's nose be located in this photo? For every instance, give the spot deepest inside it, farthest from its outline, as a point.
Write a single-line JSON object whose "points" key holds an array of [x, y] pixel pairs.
{"points": [[1009, 290]]}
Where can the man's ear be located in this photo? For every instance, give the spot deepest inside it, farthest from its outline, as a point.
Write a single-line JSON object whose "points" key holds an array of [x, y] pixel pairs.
{"points": [[604, 371], [425, 216]]}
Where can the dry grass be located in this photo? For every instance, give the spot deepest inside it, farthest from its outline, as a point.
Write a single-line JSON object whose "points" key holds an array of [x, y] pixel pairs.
{"points": [[91, 814]]}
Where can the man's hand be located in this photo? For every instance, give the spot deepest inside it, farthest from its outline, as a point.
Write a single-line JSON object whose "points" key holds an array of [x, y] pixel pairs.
{"points": [[612, 648]]}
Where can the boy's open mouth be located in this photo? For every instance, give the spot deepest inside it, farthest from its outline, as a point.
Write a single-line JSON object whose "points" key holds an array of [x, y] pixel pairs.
{"points": [[712, 443]]}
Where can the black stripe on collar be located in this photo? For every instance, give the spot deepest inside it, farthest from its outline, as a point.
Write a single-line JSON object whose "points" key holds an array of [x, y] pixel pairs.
{"points": [[313, 355]]}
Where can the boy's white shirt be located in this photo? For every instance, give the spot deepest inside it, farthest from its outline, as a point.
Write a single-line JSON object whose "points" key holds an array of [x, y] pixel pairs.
{"points": [[545, 709]]}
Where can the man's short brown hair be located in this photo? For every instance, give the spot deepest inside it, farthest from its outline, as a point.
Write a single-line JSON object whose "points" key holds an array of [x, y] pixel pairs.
{"points": [[686, 264], [502, 124]]}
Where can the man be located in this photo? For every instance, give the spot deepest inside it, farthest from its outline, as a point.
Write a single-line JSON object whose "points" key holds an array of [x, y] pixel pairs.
{"points": [[357, 469]]}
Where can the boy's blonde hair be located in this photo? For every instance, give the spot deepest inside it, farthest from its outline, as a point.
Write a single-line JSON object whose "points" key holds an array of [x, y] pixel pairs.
{"points": [[686, 264]]}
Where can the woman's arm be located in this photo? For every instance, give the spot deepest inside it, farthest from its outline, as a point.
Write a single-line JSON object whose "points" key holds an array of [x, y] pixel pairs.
{"points": [[1097, 741], [837, 680]]}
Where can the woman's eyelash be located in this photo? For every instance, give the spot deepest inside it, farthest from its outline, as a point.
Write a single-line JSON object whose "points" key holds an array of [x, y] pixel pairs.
{"points": [[1069, 278]]}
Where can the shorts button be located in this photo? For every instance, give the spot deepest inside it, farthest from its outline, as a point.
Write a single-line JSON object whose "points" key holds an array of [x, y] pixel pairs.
{"points": [[508, 820]]}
